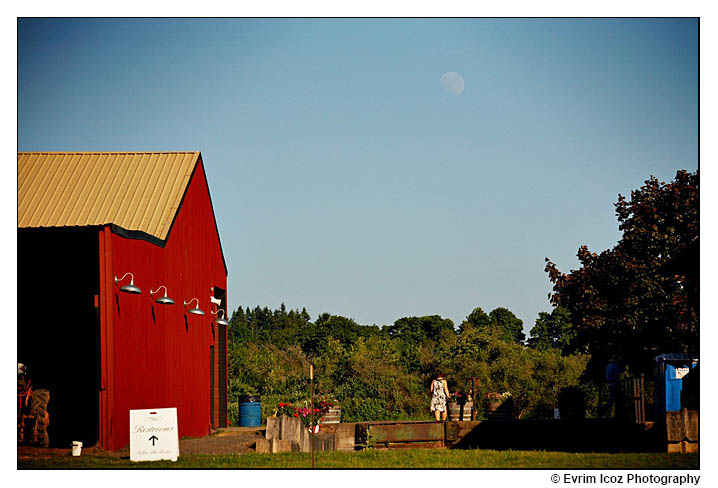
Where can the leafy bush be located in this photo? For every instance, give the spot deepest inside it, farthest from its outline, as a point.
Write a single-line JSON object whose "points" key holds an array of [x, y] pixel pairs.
{"points": [[233, 413], [366, 409], [368, 371]]}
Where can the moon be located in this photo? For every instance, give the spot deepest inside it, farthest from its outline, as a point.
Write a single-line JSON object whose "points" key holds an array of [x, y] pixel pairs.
{"points": [[453, 83]]}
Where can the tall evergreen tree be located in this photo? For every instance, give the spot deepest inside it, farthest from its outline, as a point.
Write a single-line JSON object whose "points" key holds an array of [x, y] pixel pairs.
{"points": [[305, 315], [238, 326]]}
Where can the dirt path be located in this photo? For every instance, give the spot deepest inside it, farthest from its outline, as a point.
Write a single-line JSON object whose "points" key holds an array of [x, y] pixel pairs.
{"points": [[232, 440]]}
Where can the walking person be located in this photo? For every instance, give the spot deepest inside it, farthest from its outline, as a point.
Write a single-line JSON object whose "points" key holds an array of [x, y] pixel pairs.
{"points": [[613, 372], [439, 395]]}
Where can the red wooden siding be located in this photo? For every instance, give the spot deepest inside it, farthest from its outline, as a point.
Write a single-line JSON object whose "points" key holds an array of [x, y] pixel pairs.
{"points": [[157, 356]]}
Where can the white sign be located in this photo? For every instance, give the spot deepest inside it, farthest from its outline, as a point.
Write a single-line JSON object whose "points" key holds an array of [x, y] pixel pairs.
{"points": [[153, 434], [681, 372]]}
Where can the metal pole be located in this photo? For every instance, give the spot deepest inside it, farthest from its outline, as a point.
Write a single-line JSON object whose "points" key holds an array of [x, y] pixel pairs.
{"points": [[474, 386], [311, 382]]}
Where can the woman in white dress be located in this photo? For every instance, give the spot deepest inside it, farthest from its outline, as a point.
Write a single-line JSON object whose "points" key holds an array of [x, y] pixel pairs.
{"points": [[439, 395]]}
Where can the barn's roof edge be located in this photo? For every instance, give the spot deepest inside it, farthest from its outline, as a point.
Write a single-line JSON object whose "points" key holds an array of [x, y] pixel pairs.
{"points": [[51, 193]]}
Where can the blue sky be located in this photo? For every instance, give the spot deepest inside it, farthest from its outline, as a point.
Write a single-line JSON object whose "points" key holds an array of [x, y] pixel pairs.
{"points": [[345, 179]]}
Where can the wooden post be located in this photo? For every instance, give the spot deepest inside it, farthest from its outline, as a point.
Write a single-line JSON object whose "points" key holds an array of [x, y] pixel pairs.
{"points": [[643, 400], [474, 386], [311, 382]]}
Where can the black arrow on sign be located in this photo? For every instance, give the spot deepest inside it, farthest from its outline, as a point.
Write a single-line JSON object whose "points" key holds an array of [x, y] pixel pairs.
{"points": [[153, 439]]}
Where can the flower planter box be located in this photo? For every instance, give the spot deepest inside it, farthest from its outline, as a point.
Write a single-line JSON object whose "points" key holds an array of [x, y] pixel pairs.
{"points": [[289, 434], [333, 416]]}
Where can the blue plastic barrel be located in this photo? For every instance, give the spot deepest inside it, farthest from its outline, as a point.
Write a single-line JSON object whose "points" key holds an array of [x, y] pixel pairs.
{"points": [[250, 411]]}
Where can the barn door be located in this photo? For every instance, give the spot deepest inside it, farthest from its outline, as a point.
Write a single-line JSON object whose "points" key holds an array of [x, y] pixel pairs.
{"points": [[223, 376], [211, 386], [221, 339]]}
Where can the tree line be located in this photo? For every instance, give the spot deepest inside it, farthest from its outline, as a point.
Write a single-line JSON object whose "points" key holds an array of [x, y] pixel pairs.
{"points": [[383, 373], [622, 300]]}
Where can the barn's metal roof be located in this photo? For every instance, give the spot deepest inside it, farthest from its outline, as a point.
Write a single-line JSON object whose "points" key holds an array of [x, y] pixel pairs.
{"points": [[137, 191]]}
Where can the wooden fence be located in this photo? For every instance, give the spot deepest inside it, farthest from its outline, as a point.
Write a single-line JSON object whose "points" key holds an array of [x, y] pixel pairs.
{"points": [[630, 398]]}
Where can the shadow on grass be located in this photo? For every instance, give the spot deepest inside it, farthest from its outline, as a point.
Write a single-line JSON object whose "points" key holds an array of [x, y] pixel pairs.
{"points": [[579, 435]]}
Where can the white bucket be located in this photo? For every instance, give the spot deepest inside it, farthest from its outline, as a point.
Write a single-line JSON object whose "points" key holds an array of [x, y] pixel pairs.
{"points": [[76, 448]]}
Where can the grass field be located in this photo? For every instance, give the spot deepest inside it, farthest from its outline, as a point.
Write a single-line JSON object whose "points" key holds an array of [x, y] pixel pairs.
{"points": [[399, 459]]}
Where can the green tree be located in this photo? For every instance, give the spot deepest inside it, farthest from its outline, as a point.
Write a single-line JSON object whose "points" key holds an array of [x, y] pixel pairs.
{"points": [[382, 374], [344, 329], [500, 321], [463, 356], [377, 385], [509, 327], [553, 372], [332, 367], [534, 378], [477, 319], [238, 326], [304, 315], [419, 329], [620, 300], [552, 330], [412, 332], [315, 336]]}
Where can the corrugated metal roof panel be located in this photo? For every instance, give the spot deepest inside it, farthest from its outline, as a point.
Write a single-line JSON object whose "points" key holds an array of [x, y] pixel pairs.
{"points": [[138, 191]]}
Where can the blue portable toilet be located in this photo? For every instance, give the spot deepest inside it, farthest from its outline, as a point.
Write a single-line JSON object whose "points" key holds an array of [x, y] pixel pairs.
{"points": [[669, 372]]}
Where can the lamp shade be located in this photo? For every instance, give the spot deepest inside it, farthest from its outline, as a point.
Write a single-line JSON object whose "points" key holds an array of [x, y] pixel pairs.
{"points": [[164, 300], [196, 310], [221, 320], [131, 288]]}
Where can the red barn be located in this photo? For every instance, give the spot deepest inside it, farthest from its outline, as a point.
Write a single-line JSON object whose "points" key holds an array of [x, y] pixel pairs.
{"points": [[103, 237]]}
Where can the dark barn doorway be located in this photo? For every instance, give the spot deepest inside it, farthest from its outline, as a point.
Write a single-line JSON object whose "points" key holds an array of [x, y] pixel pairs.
{"points": [[221, 294], [211, 386], [58, 329]]}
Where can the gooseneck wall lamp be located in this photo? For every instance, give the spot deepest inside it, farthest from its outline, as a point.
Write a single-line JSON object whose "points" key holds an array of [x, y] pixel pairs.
{"points": [[220, 320], [131, 288], [196, 310], [165, 300]]}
